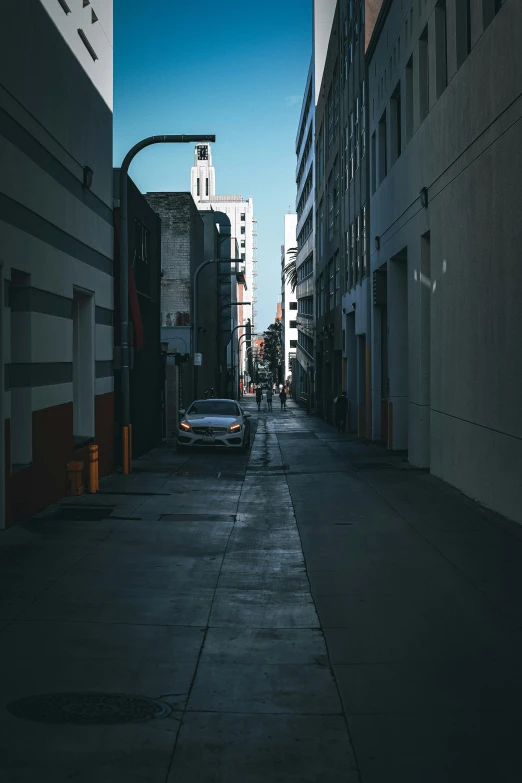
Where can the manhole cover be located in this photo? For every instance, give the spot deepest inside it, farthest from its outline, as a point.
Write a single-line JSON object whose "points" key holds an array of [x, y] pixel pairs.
{"points": [[89, 708]]}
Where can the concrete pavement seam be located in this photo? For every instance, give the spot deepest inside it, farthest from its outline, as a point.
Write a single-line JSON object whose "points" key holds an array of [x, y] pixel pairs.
{"points": [[202, 647], [343, 712]]}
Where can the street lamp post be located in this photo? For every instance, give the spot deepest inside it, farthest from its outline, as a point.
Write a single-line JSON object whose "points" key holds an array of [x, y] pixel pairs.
{"points": [[242, 337], [124, 278], [232, 304]]}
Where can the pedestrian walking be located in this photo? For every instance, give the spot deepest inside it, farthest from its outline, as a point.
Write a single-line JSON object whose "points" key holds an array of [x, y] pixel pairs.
{"points": [[341, 409], [282, 397], [259, 397], [269, 397]]}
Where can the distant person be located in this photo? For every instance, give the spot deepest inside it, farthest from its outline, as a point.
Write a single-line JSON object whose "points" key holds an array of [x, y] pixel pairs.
{"points": [[259, 397], [269, 396], [282, 397], [341, 409]]}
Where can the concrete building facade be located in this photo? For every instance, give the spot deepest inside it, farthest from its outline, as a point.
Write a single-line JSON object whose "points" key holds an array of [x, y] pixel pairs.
{"points": [[305, 260], [288, 303], [445, 117], [147, 371], [342, 217], [56, 247], [242, 233]]}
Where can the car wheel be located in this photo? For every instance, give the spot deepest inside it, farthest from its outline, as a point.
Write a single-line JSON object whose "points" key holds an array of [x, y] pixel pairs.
{"points": [[246, 446]]}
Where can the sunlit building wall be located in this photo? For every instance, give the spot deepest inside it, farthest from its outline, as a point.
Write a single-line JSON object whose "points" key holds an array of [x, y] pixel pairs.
{"points": [[445, 162]]}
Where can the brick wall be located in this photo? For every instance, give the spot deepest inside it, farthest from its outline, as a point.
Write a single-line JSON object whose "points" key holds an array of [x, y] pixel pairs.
{"points": [[181, 251]]}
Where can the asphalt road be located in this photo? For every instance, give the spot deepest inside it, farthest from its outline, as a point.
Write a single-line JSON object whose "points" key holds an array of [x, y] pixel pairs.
{"points": [[312, 612]]}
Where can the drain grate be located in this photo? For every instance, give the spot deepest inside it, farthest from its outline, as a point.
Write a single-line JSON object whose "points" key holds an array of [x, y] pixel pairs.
{"points": [[89, 708]]}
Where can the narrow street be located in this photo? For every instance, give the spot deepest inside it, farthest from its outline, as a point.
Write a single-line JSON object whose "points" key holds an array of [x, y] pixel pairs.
{"points": [[314, 611]]}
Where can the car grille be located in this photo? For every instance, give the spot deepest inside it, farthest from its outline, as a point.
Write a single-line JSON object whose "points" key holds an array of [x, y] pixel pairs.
{"points": [[206, 430]]}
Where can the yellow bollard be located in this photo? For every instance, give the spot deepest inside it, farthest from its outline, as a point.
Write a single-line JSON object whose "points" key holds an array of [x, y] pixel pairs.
{"points": [[125, 449], [93, 468]]}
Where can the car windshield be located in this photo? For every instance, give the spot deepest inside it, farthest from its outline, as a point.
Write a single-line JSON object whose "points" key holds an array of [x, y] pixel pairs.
{"points": [[214, 408]]}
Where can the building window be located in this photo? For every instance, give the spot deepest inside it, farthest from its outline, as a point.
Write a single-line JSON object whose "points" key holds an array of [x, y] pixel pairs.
{"points": [[357, 249], [330, 206], [243, 244], [373, 161], [293, 324], [305, 342], [306, 230], [243, 216], [243, 229], [293, 343], [353, 278], [320, 229], [331, 287], [206, 186], [320, 157], [336, 197], [350, 148], [441, 46], [293, 305], [382, 151], [243, 256], [306, 306], [337, 281], [408, 108], [396, 119], [424, 75], [364, 242], [305, 269], [64, 6], [363, 120], [356, 134], [87, 45], [197, 187]]}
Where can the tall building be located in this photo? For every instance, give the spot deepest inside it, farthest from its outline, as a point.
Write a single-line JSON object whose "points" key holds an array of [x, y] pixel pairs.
{"points": [[242, 227], [288, 302], [56, 239], [303, 380], [444, 121], [342, 217]]}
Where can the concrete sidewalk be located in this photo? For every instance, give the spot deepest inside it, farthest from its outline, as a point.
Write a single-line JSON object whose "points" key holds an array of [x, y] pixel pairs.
{"points": [[313, 611]]}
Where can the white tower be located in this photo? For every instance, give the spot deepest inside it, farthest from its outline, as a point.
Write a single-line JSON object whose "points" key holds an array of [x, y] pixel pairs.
{"points": [[203, 174]]}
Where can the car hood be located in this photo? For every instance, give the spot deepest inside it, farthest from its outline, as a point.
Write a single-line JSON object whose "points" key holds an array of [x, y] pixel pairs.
{"points": [[202, 420]]}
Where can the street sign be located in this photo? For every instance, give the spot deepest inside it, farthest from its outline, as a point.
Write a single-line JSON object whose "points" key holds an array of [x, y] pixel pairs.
{"points": [[198, 359]]}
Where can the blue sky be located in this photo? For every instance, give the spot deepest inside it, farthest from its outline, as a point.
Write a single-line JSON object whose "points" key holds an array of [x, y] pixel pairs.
{"points": [[236, 69]]}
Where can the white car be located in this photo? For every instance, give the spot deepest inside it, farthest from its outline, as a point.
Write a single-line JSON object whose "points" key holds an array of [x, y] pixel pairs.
{"points": [[214, 422]]}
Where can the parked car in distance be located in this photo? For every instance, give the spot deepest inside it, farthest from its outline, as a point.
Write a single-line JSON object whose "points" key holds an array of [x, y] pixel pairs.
{"points": [[214, 422]]}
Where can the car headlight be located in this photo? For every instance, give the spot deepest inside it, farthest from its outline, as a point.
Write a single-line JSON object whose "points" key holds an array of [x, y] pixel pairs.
{"points": [[235, 428], [183, 425]]}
